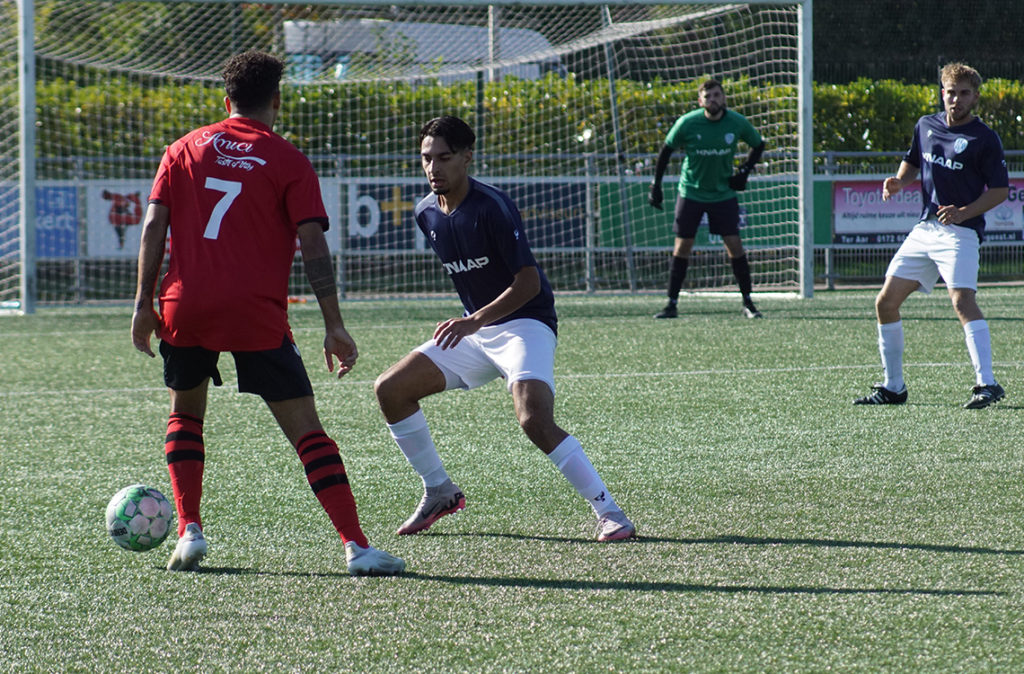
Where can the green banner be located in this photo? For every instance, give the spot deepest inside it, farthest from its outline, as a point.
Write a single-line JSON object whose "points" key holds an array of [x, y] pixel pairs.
{"points": [[768, 216]]}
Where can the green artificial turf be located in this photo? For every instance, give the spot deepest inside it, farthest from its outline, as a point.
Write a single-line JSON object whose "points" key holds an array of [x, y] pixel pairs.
{"points": [[781, 528]]}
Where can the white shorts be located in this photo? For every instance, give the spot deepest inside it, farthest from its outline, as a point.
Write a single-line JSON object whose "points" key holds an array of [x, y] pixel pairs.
{"points": [[932, 250], [520, 349]]}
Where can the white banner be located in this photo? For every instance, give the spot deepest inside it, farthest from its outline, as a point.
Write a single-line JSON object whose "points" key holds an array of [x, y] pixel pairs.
{"points": [[860, 215], [115, 210], [113, 214]]}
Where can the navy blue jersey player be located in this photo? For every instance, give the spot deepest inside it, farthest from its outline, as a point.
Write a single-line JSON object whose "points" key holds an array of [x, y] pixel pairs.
{"points": [[963, 175], [508, 330], [482, 246], [957, 163]]}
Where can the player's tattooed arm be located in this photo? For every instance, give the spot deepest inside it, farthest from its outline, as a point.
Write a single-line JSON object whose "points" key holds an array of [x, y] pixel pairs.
{"points": [[320, 272]]}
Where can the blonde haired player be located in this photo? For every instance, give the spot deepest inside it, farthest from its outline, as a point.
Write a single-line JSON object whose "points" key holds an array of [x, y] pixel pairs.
{"points": [[963, 175]]}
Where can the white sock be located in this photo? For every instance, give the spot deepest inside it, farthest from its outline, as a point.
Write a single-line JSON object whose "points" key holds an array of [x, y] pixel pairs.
{"points": [[572, 461], [413, 438], [890, 347], [979, 345]]}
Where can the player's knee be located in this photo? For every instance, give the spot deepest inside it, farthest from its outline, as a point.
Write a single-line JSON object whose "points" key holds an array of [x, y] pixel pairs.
{"points": [[537, 426], [734, 247], [682, 250], [386, 388], [966, 307], [885, 305]]}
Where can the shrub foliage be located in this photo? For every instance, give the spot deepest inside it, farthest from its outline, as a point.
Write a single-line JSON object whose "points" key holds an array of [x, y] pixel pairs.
{"points": [[127, 118]]}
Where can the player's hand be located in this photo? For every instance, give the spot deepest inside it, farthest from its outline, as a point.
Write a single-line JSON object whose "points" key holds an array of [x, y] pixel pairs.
{"points": [[450, 332], [738, 182], [339, 343], [949, 215], [656, 197], [145, 324], [890, 187]]}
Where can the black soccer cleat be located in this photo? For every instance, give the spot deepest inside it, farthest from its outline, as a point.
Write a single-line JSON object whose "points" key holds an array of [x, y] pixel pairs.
{"points": [[983, 396], [883, 396], [670, 311], [750, 311]]}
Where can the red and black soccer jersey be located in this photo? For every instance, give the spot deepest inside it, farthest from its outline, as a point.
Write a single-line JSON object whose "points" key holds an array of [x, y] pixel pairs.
{"points": [[237, 193]]}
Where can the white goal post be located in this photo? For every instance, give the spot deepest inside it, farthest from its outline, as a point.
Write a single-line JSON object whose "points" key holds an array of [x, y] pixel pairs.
{"points": [[571, 101]]}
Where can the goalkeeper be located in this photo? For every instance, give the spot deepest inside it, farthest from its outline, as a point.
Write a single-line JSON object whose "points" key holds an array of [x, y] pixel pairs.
{"points": [[707, 186]]}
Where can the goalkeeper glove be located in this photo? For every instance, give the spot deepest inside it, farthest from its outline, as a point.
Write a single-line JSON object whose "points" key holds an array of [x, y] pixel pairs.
{"points": [[738, 182], [656, 196]]}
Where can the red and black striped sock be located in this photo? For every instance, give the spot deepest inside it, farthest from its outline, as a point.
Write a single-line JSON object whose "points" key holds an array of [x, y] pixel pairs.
{"points": [[326, 474], [185, 454]]}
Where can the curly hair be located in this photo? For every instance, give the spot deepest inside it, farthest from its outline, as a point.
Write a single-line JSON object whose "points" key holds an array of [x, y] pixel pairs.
{"points": [[251, 79], [955, 72]]}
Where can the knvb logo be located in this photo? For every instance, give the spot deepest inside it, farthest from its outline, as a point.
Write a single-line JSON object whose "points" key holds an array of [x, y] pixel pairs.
{"points": [[234, 153]]}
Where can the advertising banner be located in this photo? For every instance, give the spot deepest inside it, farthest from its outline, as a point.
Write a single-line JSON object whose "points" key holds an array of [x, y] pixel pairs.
{"points": [[56, 220], [1005, 222], [861, 217], [115, 210], [378, 215]]}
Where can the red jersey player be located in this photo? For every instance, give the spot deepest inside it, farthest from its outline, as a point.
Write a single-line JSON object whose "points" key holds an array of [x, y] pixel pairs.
{"points": [[234, 196]]}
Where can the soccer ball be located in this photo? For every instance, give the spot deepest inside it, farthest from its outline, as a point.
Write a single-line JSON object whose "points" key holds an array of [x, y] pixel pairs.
{"points": [[139, 518]]}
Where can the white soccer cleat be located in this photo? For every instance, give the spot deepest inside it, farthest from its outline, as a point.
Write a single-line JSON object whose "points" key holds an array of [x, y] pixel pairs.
{"points": [[370, 561], [189, 551], [436, 503], [615, 526]]}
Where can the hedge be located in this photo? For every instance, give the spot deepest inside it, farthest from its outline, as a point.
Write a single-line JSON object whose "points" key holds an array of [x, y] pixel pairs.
{"points": [[126, 118]]}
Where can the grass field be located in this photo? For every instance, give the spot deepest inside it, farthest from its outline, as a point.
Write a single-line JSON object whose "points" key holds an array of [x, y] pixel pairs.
{"points": [[781, 528]]}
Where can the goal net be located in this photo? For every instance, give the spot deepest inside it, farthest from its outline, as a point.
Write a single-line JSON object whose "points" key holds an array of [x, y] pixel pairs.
{"points": [[570, 104], [10, 257]]}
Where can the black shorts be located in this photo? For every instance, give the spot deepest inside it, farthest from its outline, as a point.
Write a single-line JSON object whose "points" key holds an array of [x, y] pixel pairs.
{"points": [[723, 217], [274, 375]]}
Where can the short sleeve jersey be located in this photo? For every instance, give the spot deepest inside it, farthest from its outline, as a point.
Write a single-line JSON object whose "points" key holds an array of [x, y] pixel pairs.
{"points": [[236, 193], [957, 164], [482, 246], [709, 146]]}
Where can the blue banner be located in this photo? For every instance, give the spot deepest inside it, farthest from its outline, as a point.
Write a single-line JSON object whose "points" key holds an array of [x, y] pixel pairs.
{"points": [[379, 216], [56, 221]]}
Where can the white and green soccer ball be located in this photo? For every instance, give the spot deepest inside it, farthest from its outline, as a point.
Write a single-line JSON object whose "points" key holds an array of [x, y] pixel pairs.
{"points": [[139, 518]]}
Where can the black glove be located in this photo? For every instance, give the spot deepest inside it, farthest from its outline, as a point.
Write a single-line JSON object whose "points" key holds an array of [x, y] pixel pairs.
{"points": [[656, 196], [738, 182]]}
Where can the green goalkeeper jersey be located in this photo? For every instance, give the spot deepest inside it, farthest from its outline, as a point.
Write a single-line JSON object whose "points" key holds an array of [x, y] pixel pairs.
{"points": [[710, 147]]}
